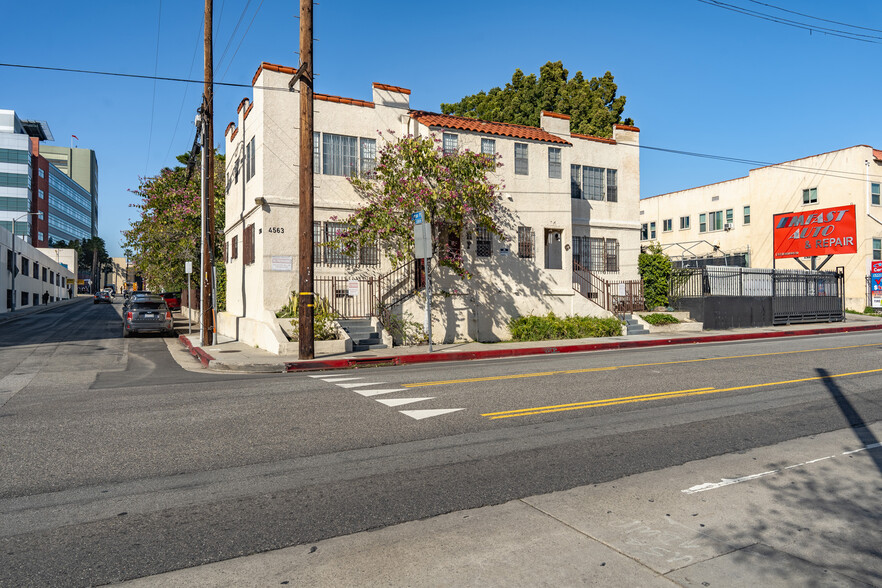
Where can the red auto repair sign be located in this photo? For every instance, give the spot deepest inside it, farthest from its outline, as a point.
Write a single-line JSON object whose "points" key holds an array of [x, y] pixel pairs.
{"points": [[828, 231]]}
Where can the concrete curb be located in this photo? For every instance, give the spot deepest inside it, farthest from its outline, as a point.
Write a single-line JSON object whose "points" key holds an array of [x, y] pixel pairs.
{"points": [[394, 360]]}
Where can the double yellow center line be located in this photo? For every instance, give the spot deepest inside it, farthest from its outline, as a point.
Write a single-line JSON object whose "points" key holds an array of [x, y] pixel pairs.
{"points": [[658, 396]]}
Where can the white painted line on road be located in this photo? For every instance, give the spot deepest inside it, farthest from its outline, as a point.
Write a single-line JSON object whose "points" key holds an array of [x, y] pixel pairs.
{"points": [[360, 384], [425, 414], [402, 401], [341, 379], [377, 392], [325, 376], [729, 481]]}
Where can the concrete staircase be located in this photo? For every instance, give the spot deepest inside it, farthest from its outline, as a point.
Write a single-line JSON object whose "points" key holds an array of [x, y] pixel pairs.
{"points": [[364, 336], [634, 327]]}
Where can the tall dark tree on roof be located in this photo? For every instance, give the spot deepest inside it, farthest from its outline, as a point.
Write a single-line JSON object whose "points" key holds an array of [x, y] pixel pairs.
{"points": [[592, 105]]}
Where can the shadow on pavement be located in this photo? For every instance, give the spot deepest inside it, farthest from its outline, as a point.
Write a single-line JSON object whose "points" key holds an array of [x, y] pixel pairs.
{"points": [[855, 421]]}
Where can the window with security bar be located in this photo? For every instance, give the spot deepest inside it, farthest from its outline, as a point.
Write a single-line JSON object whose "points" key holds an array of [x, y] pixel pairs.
{"points": [[612, 256], [522, 164], [596, 255], [334, 256], [488, 148], [554, 162], [526, 243], [317, 241], [340, 155], [580, 251], [368, 157], [369, 254], [450, 143], [483, 242]]}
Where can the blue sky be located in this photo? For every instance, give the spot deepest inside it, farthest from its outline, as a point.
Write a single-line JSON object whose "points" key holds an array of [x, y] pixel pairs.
{"points": [[697, 77]]}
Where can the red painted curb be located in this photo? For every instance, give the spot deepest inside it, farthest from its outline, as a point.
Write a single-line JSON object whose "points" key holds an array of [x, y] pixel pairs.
{"points": [[328, 364], [196, 352]]}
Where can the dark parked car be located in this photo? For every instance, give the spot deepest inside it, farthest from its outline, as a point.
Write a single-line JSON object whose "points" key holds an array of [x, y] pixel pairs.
{"points": [[137, 296], [147, 314], [102, 296], [173, 299]]}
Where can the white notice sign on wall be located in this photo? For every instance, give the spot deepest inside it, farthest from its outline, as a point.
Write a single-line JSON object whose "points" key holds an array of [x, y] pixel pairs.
{"points": [[282, 263]]}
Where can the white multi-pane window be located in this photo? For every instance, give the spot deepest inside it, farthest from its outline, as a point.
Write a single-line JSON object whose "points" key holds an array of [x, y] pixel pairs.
{"points": [[488, 147], [730, 216], [746, 215], [522, 167], [368, 156], [612, 186], [554, 163], [576, 181], [716, 220], [877, 249], [316, 152], [592, 182], [810, 196], [340, 154], [875, 194], [652, 230], [702, 223], [667, 225], [450, 143], [684, 222]]}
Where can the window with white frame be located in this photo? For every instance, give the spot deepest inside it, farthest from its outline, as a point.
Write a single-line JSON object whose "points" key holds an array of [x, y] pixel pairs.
{"points": [[810, 196], [716, 220], [450, 143], [554, 171], [317, 152], [877, 249], [652, 230], [522, 166], [684, 222], [875, 194], [612, 186], [488, 147], [746, 215], [592, 182], [340, 154], [644, 232], [667, 225], [368, 157], [702, 222], [730, 216]]}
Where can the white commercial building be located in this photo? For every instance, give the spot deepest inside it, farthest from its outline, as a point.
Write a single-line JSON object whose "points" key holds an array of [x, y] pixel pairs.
{"points": [[730, 222], [568, 197], [33, 277]]}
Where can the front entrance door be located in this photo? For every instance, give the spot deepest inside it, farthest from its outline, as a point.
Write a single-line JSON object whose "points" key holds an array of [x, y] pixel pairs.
{"points": [[553, 249]]}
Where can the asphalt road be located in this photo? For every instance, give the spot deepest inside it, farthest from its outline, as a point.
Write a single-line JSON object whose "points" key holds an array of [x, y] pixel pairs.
{"points": [[117, 463]]}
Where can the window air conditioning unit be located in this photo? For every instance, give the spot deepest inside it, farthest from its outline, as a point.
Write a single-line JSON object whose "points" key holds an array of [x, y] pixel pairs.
{"points": [[728, 226]]}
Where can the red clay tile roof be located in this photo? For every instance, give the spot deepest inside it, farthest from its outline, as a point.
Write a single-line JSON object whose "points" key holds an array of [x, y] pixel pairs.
{"points": [[447, 121], [593, 138], [877, 154], [627, 128], [273, 67], [241, 105], [341, 100], [227, 130], [556, 115], [250, 106], [391, 88]]}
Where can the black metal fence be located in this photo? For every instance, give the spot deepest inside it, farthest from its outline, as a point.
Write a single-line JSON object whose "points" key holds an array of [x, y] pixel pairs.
{"points": [[756, 297]]}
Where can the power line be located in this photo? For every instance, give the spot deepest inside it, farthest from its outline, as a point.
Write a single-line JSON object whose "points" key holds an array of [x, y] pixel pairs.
{"points": [[153, 101], [239, 46], [233, 34], [792, 23], [186, 88], [845, 24]]}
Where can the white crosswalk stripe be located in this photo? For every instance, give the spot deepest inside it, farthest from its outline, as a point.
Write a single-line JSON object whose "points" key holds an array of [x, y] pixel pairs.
{"points": [[425, 414], [363, 389], [402, 401]]}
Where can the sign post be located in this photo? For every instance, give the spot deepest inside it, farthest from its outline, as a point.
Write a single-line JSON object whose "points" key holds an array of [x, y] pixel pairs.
{"points": [[422, 248], [188, 269]]}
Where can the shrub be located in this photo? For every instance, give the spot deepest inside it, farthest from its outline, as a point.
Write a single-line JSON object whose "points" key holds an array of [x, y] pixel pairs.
{"points": [[655, 271], [322, 320], [550, 326], [660, 318]]}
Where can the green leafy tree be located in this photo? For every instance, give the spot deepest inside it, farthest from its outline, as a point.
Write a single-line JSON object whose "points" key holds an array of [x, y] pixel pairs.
{"points": [[413, 174], [592, 105], [654, 267], [167, 234]]}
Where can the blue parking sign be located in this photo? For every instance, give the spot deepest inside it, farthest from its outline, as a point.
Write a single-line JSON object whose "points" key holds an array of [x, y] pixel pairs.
{"points": [[876, 282], [417, 217]]}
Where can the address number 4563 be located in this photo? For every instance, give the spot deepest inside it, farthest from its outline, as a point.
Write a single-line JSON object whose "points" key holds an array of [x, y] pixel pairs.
{"points": [[276, 230]]}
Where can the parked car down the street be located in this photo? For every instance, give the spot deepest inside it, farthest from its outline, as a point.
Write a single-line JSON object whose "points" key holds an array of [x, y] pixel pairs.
{"points": [[102, 296], [147, 314], [173, 299]]}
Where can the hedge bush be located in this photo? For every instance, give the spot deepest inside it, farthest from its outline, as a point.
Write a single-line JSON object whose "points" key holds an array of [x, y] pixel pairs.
{"points": [[660, 318], [550, 326]]}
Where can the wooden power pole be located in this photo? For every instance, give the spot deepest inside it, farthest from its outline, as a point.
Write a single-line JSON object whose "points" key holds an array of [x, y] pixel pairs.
{"points": [[207, 319], [306, 298]]}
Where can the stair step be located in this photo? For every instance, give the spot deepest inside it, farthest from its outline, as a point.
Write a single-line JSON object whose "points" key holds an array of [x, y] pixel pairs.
{"points": [[359, 347]]}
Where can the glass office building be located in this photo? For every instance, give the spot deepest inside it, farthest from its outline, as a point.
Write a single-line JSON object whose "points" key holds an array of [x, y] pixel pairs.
{"points": [[70, 208], [15, 174]]}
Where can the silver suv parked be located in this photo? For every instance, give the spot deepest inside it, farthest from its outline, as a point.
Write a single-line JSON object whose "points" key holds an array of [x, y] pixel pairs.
{"points": [[147, 314]]}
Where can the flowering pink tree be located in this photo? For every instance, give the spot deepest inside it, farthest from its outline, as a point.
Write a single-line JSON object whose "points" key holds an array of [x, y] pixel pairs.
{"points": [[414, 174], [168, 231]]}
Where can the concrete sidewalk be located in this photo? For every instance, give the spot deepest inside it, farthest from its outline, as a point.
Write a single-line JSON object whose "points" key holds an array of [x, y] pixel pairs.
{"points": [[29, 310], [800, 513], [232, 355]]}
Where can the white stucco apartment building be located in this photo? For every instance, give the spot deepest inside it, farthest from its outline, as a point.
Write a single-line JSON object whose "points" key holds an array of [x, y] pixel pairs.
{"points": [[42, 276], [734, 218], [567, 194]]}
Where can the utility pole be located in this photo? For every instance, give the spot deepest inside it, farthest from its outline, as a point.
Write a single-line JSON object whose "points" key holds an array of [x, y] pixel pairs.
{"points": [[207, 319], [306, 297]]}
